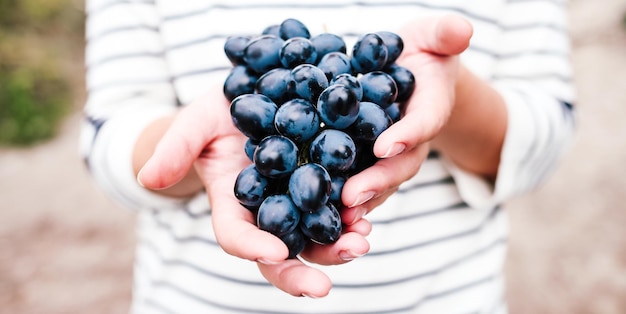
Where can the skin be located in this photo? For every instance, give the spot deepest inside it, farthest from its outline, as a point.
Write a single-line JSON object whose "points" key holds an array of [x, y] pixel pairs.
{"points": [[451, 110]]}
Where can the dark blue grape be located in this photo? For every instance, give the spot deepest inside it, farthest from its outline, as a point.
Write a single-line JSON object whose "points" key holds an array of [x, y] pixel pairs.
{"points": [[279, 185], [350, 81], [338, 106], [337, 182], [365, 157], [309, 186], [296, 51], [311, 113], [234, 48], [251, 188], [278, 215], [369, 53], [335, 63], [326, 42], [275, 85], [272, 30], [333, 150], [261, 53], [394, 44], [379, 88], [308, 82], [295, 241], [290, 28], [253, 115], [394, 112], [405, 80], [276, 156], [239, 81], [297, 119], [249, 148], [372, 121], [322, 226]]}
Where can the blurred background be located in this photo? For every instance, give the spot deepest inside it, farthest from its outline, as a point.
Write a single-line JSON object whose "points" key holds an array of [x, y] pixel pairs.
{"points": [[65, 248]]}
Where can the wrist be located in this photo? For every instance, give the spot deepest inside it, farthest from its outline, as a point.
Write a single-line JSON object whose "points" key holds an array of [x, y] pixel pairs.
{"points": [[474, 134]]}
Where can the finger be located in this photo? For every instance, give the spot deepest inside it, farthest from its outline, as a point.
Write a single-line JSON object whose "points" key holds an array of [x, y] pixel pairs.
{"points": [[348, 247], [185, 139], [234, 225], [352, 216], [385, 175], [360, 226], [444, 35], [427, 112], [297, 279], [431, 46]]}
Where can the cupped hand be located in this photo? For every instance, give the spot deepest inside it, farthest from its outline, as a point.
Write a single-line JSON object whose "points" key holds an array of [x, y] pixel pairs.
{"points": [[431, 52], [202, 137]]}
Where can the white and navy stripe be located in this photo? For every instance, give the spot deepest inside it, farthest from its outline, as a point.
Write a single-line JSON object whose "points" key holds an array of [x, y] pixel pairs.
{"points": [[437, 245]]}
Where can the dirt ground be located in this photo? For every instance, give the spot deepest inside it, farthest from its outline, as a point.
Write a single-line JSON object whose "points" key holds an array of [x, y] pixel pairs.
{"points": [[65, 248]]}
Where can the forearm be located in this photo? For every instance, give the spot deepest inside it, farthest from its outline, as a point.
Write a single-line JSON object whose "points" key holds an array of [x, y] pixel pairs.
{"points": [[474, 134], [143, 150]]}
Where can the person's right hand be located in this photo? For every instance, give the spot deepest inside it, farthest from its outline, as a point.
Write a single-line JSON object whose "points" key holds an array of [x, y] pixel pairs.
{"points": [[202, 137]]}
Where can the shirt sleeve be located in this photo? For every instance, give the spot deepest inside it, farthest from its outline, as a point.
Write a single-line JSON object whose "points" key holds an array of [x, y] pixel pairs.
{"points": [[533, 74], [128, 86]]}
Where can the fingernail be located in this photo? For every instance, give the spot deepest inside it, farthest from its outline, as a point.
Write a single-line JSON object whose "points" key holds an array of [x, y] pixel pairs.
{"points": [[267, 261], [394, 150], [309, 296], [139, 180], [363, 197], [348, 255], [360, 212]]}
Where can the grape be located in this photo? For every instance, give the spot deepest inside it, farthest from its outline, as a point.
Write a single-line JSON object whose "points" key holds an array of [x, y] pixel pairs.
{"points": [[290, 28], [251, 188], [308, 81], [336, 184], [272, 30], [394, 44], [369, 53], [239, 81], [335, 63], [275, 85], [276, 156], [253, 115], [394, 112], [326, 42], [250, 147], [297, 119], [322, 226], [234, 49], [405, 81], [309, 187], [379, 88], [278, 215], [311, 113], [296, 51], [338, 106], [372, 121], [334, 150], [349, 81], [262, 53], [296, 242]]}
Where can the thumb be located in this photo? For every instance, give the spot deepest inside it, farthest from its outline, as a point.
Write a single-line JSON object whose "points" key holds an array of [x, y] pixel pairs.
{"points": [[442, 35], [184, 141]]}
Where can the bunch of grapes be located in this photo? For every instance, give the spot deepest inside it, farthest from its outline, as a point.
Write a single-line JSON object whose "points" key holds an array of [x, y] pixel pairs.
{"points": [[311, 114]]}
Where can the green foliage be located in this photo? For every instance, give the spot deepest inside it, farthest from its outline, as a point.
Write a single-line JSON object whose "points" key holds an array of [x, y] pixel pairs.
{"points": [[36, 42], [33, 101]]}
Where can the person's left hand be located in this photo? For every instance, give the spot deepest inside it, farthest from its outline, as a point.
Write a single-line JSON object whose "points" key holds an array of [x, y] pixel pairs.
{"points": [[431, 52]]}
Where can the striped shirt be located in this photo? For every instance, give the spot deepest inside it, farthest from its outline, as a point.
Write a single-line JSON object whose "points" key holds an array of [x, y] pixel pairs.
{"points": [[437, 245]]}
